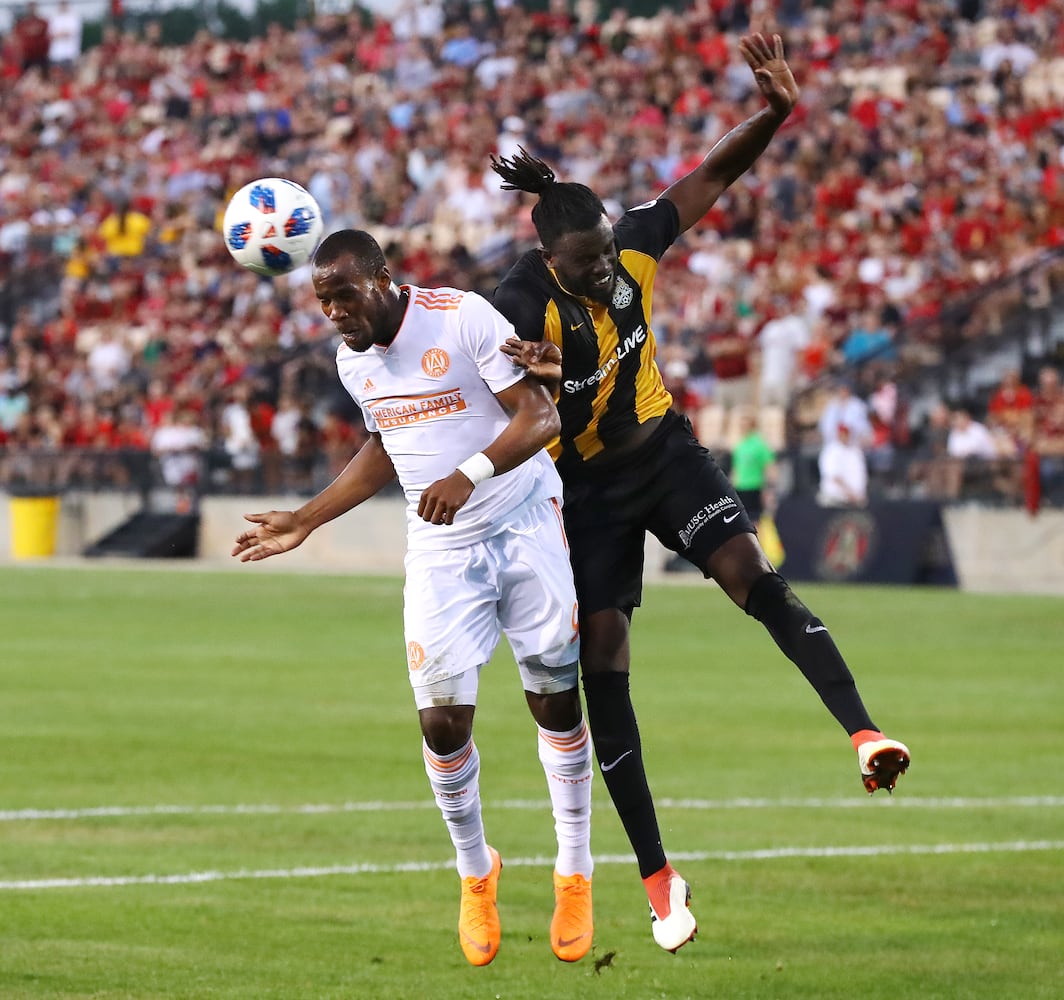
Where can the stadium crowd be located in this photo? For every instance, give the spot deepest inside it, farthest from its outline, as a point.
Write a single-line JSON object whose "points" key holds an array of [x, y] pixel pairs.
{"points": [[923, 166]]}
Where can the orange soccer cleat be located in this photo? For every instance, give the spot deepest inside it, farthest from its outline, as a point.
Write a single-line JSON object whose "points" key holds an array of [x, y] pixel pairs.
{"points": [[571, 928], [479, 931]]}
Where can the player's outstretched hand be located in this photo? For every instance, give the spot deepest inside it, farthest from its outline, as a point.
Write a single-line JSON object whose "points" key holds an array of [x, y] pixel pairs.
{"points": [[882, 761], [539, 358], [273, 533], [774, 77]]}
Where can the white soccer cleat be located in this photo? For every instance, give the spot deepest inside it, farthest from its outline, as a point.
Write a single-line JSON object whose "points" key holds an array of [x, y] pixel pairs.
{"points": [[882, 763], [676, 926]]}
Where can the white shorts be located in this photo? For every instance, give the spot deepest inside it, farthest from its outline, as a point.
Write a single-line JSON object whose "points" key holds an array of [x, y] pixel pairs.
{"points": [[457, 602]]}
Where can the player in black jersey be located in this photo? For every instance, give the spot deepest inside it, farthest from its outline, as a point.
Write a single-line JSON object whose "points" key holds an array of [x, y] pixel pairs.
{"points": [[630, 464]]}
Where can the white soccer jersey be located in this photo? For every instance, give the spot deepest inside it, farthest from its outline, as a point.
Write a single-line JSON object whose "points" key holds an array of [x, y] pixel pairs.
{"points": [[429, 394]]}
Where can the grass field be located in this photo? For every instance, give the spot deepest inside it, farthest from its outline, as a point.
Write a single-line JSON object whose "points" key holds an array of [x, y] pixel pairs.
{"points": [[211, 786]]}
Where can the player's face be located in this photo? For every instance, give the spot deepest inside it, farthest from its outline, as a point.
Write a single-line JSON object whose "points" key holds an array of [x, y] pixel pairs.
{"points": [[585, 262], [358, 305]]}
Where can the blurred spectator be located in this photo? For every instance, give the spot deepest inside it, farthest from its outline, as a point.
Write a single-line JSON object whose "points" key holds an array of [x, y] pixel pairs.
{"points": [[31, 39], [971, 450], [843, 471], [1007, 51], [869, 339], [753, 468], [931, 469], [239, 439], [1048, 438], [844, 409], [179, 443], [1049, 446], [64, 34], [1048, 394], [296, 435], [728, 345], [124, 230], [781, 342], [108, 359], [1012, 406], [14, 404]]}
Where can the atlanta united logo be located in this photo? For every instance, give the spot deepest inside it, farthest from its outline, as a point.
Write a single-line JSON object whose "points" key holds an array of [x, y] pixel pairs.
{"points": [[435, 362], [415, 655], [848, 544], [622, 294]]}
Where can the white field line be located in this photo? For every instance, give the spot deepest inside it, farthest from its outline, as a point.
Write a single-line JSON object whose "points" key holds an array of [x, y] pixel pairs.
{"points": [[768, 854], [311, 808]]}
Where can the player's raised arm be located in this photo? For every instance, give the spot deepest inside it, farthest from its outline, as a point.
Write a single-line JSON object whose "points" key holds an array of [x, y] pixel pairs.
{"points": [[280, 531], [694, 194]]}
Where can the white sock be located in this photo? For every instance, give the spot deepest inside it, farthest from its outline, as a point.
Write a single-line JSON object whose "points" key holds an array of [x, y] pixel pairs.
{"points": [[455, 780], [566, 759]]}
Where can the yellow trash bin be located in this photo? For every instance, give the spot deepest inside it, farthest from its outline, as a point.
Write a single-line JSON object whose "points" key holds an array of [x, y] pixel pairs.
{"points": [[34, 525]]}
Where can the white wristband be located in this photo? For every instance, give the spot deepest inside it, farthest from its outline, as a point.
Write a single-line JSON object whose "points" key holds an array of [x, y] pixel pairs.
{"points": [[477, 468]]}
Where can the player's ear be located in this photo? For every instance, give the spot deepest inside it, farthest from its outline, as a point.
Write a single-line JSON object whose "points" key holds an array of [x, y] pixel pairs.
{"points": [[547, 256]]}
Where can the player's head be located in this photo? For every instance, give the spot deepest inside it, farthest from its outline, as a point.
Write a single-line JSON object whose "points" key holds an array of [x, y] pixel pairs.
{"points": [[355, 289], [571, 223]]}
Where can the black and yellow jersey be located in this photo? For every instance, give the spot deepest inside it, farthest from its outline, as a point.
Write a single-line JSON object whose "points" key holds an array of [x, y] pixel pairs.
{"points": [[610, 381]]}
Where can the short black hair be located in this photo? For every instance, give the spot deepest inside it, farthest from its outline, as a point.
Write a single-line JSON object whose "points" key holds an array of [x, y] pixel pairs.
{"points": [[564, 206], [359, 244]]}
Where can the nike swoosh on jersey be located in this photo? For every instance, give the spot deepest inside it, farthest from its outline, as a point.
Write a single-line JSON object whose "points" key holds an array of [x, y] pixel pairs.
{"points": [[728, 520]]}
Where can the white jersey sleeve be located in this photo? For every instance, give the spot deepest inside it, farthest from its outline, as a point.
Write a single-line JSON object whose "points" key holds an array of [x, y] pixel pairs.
{"points": [[482, 329]]}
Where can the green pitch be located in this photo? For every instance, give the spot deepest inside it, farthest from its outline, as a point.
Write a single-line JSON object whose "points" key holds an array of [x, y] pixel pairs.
{"points": [[211, 786]]}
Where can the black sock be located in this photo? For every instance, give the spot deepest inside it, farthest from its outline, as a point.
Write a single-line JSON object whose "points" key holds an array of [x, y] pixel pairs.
{"points": [[620, 755], [806, 642]]}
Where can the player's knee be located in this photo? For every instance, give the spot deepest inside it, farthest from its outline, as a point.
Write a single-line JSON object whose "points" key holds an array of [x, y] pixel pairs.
{"points": [[558, 711], [446, 728], [604, 644], [772, 601]]}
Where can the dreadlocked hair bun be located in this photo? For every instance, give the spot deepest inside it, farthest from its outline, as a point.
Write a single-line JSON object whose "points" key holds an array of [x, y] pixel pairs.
{"points": [[523, 172], [563, 207]]}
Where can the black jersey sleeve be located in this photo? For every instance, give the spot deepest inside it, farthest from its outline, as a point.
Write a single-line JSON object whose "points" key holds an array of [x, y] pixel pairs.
{"points": [[650, 228], [522, 297]]}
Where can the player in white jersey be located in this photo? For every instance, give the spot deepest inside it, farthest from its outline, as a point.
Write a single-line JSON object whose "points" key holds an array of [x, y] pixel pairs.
{"points": [[464, 430]]}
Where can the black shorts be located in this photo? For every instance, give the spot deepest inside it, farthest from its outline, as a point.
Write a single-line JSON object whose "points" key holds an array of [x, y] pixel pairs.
{"points": [[670, 486]]}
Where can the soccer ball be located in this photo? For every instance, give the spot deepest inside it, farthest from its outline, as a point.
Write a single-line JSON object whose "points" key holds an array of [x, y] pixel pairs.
{"points": [[272, 226]]}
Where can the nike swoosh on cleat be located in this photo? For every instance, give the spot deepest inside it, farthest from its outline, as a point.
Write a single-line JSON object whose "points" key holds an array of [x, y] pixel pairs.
{"points": [[482, 948], [610, 767], [728, 520], [810, 629], [565, 942]]}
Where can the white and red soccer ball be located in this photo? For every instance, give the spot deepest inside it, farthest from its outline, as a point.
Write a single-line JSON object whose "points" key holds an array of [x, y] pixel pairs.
{"points": [[272, 226]]}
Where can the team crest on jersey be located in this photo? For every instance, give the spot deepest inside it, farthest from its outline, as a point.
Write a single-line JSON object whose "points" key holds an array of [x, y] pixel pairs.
{"points": [[622, 294], [435, 362], [415, 655]]}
